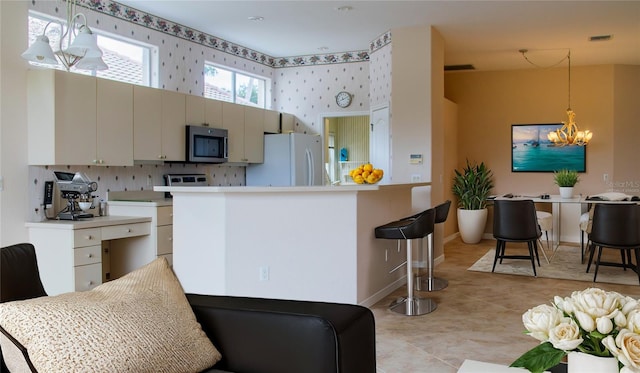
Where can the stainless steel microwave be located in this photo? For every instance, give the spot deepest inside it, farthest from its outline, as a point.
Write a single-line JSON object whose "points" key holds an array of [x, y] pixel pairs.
{"points": [[206, 145]]}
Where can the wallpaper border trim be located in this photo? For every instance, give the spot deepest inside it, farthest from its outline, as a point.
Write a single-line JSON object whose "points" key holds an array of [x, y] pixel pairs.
{"points": [[129, 14]]}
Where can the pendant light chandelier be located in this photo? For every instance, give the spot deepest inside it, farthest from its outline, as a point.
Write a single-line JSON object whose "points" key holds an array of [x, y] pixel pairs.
{"points": [[569, 133], [77, 45]]}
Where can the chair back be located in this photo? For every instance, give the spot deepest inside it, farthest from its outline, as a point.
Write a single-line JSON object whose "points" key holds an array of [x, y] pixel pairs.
{"points": [[19, 276], [616, 225], [417, 226], [442, 211], [515, 220]]}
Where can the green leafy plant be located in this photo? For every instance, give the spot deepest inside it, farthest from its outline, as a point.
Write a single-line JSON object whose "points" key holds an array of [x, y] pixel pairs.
{"points": [[472, 186], [565, 178]]}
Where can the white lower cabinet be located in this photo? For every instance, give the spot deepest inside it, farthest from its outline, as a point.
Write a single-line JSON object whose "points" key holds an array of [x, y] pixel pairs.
{"points": [[70, 258]]}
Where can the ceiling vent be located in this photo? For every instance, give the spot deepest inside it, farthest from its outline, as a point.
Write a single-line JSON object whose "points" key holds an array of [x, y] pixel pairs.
{"points": [[458, 67], [600, 38]]}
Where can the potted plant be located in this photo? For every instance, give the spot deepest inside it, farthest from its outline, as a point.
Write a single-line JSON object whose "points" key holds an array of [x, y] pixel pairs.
{"points": [[472, 187], [566, 180]]}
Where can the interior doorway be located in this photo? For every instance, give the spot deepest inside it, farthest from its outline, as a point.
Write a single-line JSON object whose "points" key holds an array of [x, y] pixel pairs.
{"points": [[346, 139]]}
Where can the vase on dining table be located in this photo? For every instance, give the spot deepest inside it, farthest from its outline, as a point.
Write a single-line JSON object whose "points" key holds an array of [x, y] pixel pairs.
{"points": [[566, 192], [579, 362]]}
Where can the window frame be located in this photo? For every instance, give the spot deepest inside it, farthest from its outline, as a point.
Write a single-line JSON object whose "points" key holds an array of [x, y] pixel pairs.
{"points": [[234, 72]]}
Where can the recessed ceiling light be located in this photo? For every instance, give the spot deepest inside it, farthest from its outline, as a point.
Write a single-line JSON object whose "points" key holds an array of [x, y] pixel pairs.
{"points": [[600, 38], [323, 48], [344, 8], [256, 18]]}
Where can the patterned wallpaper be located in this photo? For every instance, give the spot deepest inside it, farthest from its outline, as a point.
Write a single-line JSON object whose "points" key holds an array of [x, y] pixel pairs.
{"points": [[304, 86], [380, 76]]}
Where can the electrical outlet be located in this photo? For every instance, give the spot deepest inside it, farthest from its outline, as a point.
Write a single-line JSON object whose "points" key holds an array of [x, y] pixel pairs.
{"points": [[416, 178], [264, 273], [605, 177]]}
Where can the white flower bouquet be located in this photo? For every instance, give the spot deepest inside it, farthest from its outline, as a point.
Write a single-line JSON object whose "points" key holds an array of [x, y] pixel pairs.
{"points": [[592, 321]]}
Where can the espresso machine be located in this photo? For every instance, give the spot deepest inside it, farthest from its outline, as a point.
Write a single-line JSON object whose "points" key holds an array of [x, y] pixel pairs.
{"points": [[76, 188]]}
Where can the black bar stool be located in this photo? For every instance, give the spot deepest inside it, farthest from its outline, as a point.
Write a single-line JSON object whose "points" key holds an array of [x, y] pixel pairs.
{"points": [[410, 228], [432, 283]]}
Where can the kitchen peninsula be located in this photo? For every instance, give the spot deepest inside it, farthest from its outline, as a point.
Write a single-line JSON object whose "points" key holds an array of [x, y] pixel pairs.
{"points": [[307, 243]]}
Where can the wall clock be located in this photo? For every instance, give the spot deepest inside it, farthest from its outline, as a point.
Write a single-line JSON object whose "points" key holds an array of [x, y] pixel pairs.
{"points": [[343, 99]]}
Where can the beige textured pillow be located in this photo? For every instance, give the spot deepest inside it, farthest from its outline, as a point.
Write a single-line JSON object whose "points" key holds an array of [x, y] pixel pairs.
{"points": [[141, 322]]}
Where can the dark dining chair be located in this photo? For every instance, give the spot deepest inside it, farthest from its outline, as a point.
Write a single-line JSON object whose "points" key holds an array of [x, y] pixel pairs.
{"points": [[516, 221], [615, 226]]}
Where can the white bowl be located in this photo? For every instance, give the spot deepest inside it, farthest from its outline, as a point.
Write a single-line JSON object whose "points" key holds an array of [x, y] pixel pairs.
{"points": [[84, 206]]}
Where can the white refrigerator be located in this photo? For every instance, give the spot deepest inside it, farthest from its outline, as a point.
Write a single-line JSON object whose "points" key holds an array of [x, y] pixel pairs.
{"points": [[291, 159]]}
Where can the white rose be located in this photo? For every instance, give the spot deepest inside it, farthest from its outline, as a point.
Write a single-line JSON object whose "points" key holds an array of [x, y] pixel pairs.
{"points": [[540, 319], [585, 321], [628, 304], [628, 349], [604, 325], [566, 335], [633, 321]]}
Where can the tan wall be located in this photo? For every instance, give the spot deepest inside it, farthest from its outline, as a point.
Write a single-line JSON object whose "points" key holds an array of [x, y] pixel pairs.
{"points": [[603, 97], [490, 102], [450, 152]]}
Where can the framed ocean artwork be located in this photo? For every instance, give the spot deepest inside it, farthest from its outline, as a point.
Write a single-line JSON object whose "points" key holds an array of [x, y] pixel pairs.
{"points": [[531, 150]]}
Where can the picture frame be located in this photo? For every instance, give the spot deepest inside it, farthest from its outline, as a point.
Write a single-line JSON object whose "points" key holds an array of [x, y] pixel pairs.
{"points": [[532, 151]]}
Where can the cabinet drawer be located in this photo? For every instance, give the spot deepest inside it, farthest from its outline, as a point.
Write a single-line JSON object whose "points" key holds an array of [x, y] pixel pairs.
{"points": [[88, 277], [165, 239], [87, 237], [87, 255], [125, 230], [165, 215]]}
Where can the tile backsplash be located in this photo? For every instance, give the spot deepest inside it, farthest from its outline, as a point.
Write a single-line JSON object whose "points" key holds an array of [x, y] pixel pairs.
{"points": [[137, 177]]}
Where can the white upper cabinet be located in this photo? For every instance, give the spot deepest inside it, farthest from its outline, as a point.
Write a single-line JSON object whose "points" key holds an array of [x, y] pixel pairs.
{"points": [[271, 121], [75, 119], [203, 111]]}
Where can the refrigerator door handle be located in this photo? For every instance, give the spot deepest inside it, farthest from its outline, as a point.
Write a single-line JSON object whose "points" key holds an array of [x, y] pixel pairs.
{"points": [[310, 170]]}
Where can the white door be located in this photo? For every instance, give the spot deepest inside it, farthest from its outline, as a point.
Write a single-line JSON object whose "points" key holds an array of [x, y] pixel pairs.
{"points": [[380, 142]]}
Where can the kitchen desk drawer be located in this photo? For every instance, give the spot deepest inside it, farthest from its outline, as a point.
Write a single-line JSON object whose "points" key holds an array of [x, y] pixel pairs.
{"points": [[165, 240], [87, 237], [165, 215], [88, 277], [87, 255], [125, 230]]}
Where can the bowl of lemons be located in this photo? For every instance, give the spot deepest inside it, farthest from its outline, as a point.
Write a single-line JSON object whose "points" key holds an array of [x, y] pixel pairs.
{"points": [[366, 174]]}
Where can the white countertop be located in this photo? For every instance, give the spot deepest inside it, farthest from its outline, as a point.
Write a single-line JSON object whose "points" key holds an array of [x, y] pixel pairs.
{"points": [[95, 222], [288, 189]]}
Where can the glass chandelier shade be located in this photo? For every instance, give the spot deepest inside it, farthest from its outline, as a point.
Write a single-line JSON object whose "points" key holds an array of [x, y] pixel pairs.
{"points": [[81, 44]]}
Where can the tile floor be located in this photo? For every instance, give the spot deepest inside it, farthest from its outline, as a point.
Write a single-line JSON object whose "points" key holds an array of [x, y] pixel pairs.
{"points": [[478, 316]]}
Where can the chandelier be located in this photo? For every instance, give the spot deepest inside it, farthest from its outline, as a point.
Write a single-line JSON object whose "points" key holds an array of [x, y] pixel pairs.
{"points": [[569, 133], [77, 45]]}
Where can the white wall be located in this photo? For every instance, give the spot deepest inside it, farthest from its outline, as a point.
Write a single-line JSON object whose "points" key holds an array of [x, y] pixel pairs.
{"points": [[13, 122]]}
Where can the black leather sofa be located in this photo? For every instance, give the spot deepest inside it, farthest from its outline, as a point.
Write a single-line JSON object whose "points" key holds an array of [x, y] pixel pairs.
{"points": [[252, 334]]}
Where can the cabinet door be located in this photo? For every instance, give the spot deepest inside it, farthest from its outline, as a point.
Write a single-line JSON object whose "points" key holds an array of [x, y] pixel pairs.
{"points": [[233, 121], [271, 121], [253, 134], [213, 113], [194, 113], [61, 118], [288, 122], [114, 144], [173, 125], [147, 124]]}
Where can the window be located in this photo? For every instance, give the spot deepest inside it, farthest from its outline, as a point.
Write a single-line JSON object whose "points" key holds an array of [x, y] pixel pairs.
{"points": [[231, 86], [129, 61]]}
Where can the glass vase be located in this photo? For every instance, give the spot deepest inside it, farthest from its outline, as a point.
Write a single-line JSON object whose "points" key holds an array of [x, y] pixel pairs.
{"points": [[578, 362]]}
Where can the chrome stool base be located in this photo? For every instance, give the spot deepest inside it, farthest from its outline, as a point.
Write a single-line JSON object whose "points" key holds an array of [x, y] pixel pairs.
{"points": [[413, 306], [431, 284]]}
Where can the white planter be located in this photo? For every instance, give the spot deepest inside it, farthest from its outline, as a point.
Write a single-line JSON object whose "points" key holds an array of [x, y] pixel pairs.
{"points": [[578, 362], [471, 224], [566, 192]]}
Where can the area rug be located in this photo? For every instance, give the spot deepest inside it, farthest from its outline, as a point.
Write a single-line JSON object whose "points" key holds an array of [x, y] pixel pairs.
{"points": [[565, 265]]}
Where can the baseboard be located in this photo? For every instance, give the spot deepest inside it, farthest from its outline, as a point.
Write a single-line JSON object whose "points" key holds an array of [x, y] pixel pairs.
{"points": [[380, 295]]}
